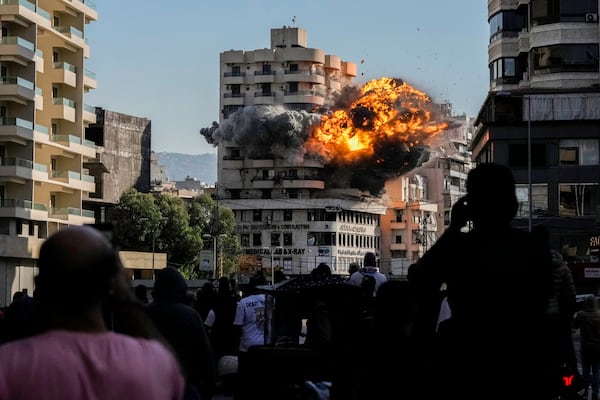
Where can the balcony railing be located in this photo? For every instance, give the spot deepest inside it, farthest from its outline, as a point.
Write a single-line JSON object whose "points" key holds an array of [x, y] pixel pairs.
{"points": [[62, 101], [70, 31], [89, 3], [264, 72], [230, 74], [8, 121], [16, 80], [18, 41], [65, 66]]}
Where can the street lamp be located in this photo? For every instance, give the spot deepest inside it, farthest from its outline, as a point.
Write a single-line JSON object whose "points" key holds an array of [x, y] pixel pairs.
{"points": [[208, 236], [154, 226]]}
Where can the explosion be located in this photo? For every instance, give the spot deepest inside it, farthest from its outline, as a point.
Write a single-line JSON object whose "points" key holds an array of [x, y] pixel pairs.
{"points": [[388, 110], [369, 135]]}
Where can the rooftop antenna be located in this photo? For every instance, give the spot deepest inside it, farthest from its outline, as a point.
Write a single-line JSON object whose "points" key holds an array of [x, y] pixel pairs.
{"points": [[294, 21]]}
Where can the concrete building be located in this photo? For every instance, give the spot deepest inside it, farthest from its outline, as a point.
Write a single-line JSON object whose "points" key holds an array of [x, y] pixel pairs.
{"points": [[43, 149], [542, 116], [286, 216], [122, 158]]}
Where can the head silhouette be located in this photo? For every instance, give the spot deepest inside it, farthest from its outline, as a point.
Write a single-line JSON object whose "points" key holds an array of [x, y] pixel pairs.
{"points": [[76, 267], [491, 196]]}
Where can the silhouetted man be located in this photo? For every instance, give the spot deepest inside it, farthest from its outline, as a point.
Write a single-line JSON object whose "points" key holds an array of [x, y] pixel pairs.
{"points": [[498, 283]]}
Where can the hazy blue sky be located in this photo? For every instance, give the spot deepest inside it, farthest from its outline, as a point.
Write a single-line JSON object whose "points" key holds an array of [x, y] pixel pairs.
{"points": [[160, 59]]}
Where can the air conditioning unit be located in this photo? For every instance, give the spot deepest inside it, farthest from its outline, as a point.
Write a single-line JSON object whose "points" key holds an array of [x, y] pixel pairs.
{"points": [[591, 17]]}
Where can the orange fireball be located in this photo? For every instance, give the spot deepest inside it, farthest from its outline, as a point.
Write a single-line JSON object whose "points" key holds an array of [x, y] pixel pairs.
{"points": [[388, 110]]}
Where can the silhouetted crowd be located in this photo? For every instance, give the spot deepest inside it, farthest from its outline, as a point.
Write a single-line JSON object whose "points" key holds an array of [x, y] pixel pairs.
{"points": [[487, 313]]}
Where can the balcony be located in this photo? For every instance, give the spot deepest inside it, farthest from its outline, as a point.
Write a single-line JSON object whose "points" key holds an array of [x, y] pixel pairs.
{"points": [[89, 79], [20, 208], [89, 114], [63, 108], [16, 89], [305, 96], [75, 179], [74, 34], [74, 215], [16, 47], [398, 246], [75, 144], [264, 98], [39, 61], [264, 76], [64, 73], [16, 130], [400, 225], [87, 7], [39, 99], [17, 168], [305, 75]]}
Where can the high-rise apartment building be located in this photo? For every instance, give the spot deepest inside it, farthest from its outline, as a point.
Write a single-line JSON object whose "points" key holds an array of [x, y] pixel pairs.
{"points": [[542, 116], [43, 79], [286, 216]]}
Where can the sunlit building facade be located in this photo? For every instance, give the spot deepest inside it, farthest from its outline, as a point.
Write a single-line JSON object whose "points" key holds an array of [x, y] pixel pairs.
{"points": [[43, 116]]}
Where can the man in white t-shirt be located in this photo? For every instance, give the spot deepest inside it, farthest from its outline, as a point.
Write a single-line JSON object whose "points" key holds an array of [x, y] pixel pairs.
{"points": [[250, 321], [369, 269]]}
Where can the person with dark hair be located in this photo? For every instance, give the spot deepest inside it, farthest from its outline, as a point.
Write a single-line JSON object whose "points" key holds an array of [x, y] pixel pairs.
{"points": [[77, 357], [141, 293], [369, 270], [498, 281], [183, 328], [219, 321]]}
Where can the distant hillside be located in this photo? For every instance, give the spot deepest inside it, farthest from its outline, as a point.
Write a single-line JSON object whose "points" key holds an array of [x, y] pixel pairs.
{"points": [[178, 166]]}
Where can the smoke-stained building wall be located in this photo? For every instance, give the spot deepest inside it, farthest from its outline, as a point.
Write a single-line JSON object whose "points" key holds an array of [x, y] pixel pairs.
{"points": [[122, 159]]}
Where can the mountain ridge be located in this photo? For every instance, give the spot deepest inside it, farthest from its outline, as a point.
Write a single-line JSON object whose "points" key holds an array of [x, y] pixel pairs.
{"points": [[179, 166]]}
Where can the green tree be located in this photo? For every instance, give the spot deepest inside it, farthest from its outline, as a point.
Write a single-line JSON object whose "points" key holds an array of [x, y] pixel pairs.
{"points": [[218, 222], [135, 217], [181, 241]]}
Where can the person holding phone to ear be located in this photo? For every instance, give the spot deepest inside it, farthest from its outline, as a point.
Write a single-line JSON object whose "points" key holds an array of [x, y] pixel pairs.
{"points": [[498, 281]]}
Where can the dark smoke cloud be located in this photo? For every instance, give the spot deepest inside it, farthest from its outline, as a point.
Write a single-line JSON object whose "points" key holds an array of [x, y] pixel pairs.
{"points": [[265, 131]]}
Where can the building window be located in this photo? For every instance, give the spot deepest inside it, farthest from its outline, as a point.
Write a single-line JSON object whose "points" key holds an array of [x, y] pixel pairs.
{"points": [[266, 193], [245, 239], [539, 197], [257, 215], [287, 214], [565, 58], [287, 239], [579, 152], [517, 155], [398, 239], [579, 199], [276, 239], [257, 239]]}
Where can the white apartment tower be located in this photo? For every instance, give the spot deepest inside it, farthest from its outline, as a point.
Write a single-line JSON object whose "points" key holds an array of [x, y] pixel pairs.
{"points": [[287, 215], [42, 120]]}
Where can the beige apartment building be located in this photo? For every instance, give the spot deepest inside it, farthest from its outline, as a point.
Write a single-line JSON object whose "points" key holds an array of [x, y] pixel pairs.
{"points": [[285, 215], [43, 115]]}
